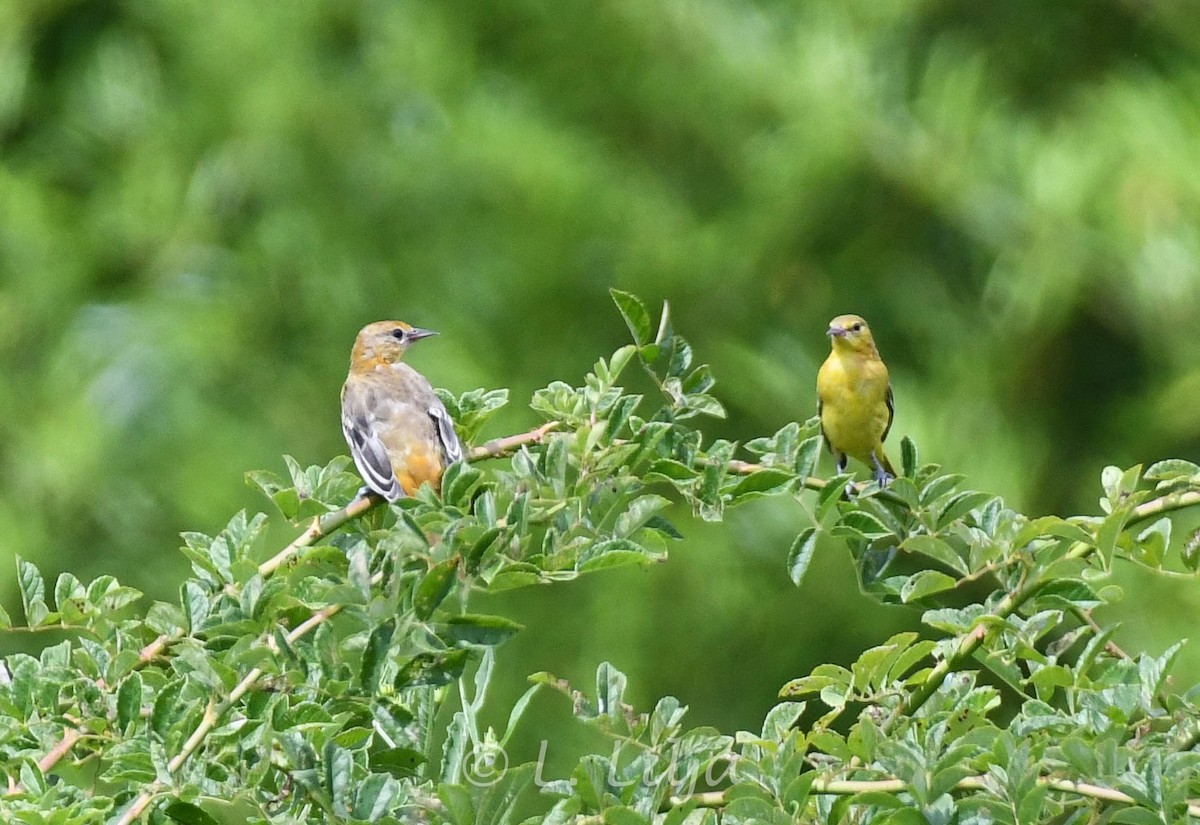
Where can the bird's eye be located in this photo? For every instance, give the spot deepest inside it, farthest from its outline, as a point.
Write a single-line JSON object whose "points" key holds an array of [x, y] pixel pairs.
{"points": [[856, 327], [398, 334]]}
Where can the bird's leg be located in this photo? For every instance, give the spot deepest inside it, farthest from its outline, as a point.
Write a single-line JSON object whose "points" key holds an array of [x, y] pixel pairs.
{"points": [[840, 462], [881, 475]]}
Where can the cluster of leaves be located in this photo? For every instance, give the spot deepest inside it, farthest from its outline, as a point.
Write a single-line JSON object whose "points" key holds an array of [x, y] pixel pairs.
{"points": [[307, 687]]}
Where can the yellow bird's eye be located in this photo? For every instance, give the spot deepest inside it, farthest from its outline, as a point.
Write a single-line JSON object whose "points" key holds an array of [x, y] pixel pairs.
{"points": [[856, 327]]}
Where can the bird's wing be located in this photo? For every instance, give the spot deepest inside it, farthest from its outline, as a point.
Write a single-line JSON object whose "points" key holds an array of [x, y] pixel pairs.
{"points": [[445, 428], [891, 405], [368, 451], [821, 422]]}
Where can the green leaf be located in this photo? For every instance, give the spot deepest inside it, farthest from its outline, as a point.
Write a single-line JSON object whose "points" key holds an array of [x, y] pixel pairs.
{"points": [[1171, 468], [458, 803], [402, 763], [339, 776], [460, 482], [374, 797], [282, 494], [1154, 541], [167, 707], [33, 592], [938, 487], [908, 457], [610, 690], [480, 630], [1110, 480], [801, 554], [514, 576], [962, 504], [615, 553], [806, 685], [189, 814], [925, 583], [432, 668], [1189, 554], [936, 549], [434, 587], [807, 456], [761, 483], [863, 523], [129, 701], [68, 591], [910, 656], [638, 512], [1107, 535], [635, 314], [831, 493], [195, 605], [375, 654]]}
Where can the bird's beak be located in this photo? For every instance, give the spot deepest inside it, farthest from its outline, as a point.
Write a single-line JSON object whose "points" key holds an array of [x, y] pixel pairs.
{"points": [[416, 334], [836, 332]]}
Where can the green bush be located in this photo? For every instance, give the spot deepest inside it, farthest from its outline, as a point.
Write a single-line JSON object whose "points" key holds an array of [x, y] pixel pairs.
{"points": [[343, 678]]}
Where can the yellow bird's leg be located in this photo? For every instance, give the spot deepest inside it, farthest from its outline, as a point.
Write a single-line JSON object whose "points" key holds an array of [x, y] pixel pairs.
{"points": [[840, 462], [881, 475]]}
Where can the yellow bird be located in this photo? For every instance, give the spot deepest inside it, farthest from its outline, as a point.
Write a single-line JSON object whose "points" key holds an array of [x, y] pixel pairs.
{"points": [[854, 398]]}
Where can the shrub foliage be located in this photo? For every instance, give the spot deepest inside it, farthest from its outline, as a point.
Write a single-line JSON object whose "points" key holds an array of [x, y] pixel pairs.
{"points": [[306, 687]]}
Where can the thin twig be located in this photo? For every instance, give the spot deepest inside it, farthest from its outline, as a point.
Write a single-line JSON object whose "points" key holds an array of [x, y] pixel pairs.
{"points": [[500, 447], [319, 528], [850, 787], [214, 713]]}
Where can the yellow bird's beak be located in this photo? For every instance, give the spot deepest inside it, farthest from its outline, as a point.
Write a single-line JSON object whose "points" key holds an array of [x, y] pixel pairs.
{"points": [[836, 332]]}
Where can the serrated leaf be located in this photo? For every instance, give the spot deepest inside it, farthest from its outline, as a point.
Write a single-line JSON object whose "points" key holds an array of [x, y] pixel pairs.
{"points": [[962, 504], [129, 701], [434, 587], [33, 590], [829, 495], [925, 583], [1107, 535], [610, 690], [402, 763], [374, 797], [807, 455], [1154, 541], [865, 523], [936, 549], [638, 512], [1171, 468], [760, 483], [801, 554], [432, 668], [938, 487], [634, 312], [908, 457], [375, 654], [189, 814], [475, 629]]}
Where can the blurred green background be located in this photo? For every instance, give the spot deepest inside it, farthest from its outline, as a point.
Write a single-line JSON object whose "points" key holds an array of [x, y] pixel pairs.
{"points": [[201, 203]]}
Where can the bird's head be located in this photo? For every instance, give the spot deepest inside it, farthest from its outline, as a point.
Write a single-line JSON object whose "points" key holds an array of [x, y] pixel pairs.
{"points": [[385, 342], [850, 333]]}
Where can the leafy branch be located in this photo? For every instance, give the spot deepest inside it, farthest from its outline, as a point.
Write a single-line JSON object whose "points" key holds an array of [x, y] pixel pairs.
{"points": [[307, 684]]}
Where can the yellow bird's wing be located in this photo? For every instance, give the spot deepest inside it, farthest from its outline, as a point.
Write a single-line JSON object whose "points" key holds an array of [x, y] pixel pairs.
{"points": [[821, 422], [891, 405]]}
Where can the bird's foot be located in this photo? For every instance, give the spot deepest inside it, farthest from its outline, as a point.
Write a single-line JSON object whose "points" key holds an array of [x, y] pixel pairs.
{"points": [[882, 476]]}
